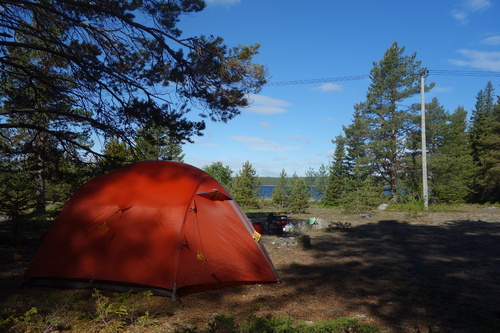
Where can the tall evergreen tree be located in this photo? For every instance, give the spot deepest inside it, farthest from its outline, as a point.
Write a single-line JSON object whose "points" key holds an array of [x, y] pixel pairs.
{"points": [[299, 194], [338, 175], [356, 141], [116, 51], [246, 186], [485, 138], [481, 119], [281, 191], [116, 154], [451, 165], [321, 181], [32, 111], [363, 193], [156, 144], [488, 176], [310, 178], [395, 79]]}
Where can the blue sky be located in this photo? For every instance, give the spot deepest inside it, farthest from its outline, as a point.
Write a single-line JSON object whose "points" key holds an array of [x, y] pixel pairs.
{"points": [[290, 127]]}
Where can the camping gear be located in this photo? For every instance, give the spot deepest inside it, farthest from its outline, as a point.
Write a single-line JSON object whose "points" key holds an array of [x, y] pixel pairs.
{"points": [[162, 226]]}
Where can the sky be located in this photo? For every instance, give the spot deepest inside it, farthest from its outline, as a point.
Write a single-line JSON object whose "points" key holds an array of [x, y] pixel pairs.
{"points": [[291, 126]]}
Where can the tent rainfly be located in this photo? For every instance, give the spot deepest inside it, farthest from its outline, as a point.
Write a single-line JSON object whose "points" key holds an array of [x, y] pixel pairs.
{"points": [[162, 226]]}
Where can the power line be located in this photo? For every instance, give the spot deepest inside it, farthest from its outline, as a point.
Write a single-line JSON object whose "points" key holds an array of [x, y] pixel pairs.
{"points": [[322, 80], [464, 73], [442, 72]]}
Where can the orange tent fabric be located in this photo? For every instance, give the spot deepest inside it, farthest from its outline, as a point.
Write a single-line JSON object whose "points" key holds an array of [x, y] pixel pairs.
{"points": [[162, 226]]}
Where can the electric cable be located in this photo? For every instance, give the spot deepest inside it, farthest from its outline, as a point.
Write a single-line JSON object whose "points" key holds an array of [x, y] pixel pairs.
{"points": [[441, 72]]}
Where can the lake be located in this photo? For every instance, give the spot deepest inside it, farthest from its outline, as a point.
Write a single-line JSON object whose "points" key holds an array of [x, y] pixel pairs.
{"points": [[266, 192]]}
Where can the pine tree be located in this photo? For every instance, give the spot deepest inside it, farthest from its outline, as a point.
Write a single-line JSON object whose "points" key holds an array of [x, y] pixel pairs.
{"points": [[451, 165], [395, 79], [338, 175], [155, 143], [281, 192], [246, 186], [481, 119], [299, 195], [363, 193], [115, 56], [488, 176], [116, 155], [310, 178], [485, 138], [321, 181], [31, 110], [356, 138], [221, 173]]}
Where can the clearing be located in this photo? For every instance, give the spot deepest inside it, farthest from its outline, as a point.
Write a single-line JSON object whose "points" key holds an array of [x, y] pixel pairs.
{"points": [[434, 272]]}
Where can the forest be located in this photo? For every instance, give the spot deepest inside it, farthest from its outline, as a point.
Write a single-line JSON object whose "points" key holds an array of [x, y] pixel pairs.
{"points": [[80, 98], [378, 157], [382, 147]]}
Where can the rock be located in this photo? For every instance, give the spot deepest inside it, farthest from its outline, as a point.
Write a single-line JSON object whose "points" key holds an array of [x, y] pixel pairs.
{"points": [[320, 223], [285, 241], [301, 226], [383, 207]]}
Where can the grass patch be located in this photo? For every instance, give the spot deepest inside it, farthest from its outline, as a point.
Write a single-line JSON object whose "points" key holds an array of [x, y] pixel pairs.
{"points": [[100, 311], [271, 324]]}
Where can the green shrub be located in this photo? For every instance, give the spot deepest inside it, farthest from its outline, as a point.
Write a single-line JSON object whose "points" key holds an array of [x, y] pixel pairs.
{"points": [[270, 324], [341, 325]]}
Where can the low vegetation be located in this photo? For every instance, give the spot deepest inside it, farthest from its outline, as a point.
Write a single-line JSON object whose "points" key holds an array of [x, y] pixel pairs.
{"points": [[103, 312], [98, 311]]}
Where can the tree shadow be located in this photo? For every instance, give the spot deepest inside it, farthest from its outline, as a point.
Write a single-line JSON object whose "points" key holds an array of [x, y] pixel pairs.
{"points": [[406, 276], [446, 275]]}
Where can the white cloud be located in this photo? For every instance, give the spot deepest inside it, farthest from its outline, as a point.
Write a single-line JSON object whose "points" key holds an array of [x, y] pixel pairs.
{"points": [[280, 158], [438, 89], [223, 2], [477, 5], [265, 109], [299, 138], [261, 99], [328, 87], [266, 105], [264, 124], [493, 41], [205, 143], [461, 14], [489, 61], [263, 144]]}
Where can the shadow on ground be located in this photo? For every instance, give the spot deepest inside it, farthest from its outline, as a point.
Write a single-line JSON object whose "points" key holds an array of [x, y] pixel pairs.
{"points": [[407, 277]]}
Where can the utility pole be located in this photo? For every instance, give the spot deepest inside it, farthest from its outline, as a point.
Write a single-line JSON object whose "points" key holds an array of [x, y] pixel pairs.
{"points": [[425, 194]]}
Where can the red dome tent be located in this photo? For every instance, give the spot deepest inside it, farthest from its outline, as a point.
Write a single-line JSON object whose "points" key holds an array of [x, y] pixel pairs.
{"points": [[162, 226]]}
